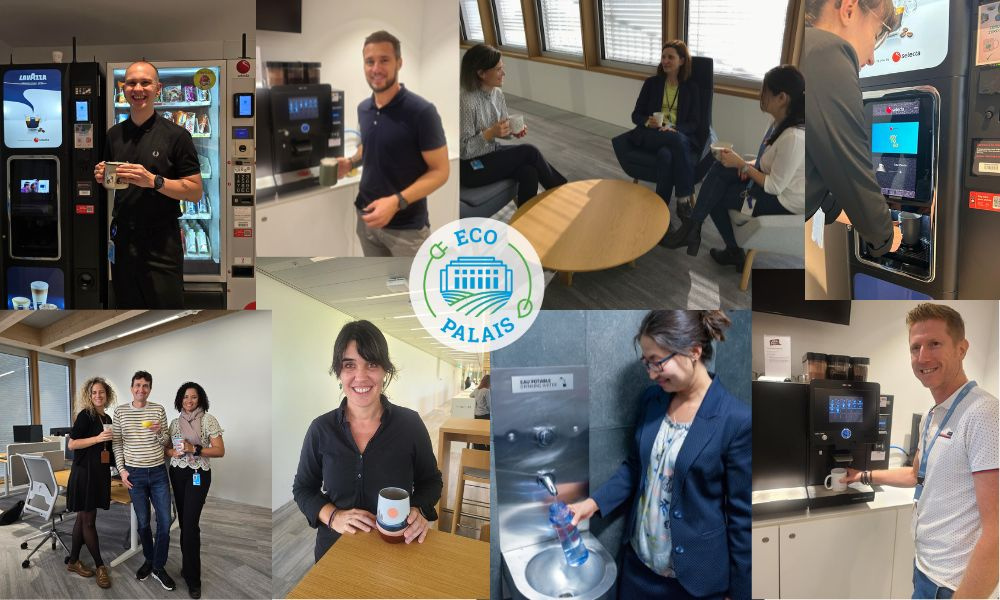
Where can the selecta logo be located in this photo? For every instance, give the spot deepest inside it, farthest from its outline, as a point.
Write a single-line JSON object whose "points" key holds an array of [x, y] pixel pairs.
{"points": [[898, 56], [476, 285]]}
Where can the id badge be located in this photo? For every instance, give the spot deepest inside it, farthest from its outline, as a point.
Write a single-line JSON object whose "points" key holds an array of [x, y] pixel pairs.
{"points": [[196, 479], [111, 251], [477, 165], [917, 491], [105, 457]]}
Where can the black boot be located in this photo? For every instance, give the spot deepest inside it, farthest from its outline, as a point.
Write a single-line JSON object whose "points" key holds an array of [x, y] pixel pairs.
{"points": [[729, 256], [678, 237], [685, 207], [694, 238]]}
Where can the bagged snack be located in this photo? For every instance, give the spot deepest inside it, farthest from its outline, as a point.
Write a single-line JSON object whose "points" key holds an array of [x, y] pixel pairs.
{"points": [[189, 95]]}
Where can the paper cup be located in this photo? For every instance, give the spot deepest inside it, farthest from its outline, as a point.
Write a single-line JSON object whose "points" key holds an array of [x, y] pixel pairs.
{"points": [[390, 518], [328, 172], [718, 146]]}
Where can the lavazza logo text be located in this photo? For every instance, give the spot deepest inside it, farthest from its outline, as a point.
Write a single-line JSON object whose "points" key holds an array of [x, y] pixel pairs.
{"points": [[476, 285], [32, 77]]}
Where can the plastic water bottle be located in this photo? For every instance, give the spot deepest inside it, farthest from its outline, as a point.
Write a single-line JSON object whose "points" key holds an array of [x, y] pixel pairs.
{"points": [[572, 544]]}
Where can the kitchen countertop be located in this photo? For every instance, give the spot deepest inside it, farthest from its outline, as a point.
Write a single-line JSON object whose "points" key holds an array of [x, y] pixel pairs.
{"points": [[886, 498]]}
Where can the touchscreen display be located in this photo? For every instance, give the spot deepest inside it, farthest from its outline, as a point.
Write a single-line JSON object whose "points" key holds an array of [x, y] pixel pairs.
{"points": [[34, 208], [846, 409], [896, 146], [82, 111], [243, 105], [303, 107]]}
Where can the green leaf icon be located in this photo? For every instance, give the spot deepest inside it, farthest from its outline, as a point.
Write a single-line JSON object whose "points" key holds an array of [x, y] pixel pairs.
{"points": [[524, 308]]}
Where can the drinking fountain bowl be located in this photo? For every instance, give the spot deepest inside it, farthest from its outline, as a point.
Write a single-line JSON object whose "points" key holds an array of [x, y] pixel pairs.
{"points": [[540, 572]]}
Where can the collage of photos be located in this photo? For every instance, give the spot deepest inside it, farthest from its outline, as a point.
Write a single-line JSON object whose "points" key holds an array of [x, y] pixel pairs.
{"points": [[500, 299]]}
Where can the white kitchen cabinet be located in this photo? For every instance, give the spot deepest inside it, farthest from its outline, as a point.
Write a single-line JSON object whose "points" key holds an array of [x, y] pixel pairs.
{"points": [[902, 566], [847, 556], [764, 575]]}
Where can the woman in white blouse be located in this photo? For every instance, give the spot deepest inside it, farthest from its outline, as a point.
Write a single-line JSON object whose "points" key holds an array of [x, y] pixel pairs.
{"points": [[484, 120], [774, 185], [196, 436]]}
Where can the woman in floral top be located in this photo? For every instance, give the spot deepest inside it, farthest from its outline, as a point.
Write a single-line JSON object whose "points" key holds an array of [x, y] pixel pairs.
{"points": [[196, 437]]}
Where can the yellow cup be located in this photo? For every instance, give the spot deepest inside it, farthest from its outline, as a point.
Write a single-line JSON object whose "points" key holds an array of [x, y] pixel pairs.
{"points": [[147, 424]]}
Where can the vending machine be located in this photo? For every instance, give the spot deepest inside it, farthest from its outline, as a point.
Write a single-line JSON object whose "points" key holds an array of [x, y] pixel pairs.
{"points": [[935, 143], [53, 216], [215, 102]]}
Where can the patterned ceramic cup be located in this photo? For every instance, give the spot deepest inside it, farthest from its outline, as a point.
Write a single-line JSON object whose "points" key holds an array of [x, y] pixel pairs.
{"points": [[393, 508]]}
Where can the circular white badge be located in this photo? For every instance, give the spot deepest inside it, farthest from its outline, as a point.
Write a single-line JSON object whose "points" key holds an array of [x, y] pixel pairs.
{"points": [[476, 285]]}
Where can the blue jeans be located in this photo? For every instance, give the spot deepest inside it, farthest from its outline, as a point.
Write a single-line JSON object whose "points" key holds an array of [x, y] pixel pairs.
{"points": [[721, 191], [152, 484], [923, 587], [674, 160]]}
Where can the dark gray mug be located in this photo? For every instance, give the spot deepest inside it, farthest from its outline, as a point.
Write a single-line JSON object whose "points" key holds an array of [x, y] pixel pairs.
{"points": [[909, 223]]}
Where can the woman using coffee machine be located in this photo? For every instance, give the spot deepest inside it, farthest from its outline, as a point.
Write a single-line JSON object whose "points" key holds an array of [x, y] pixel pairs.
{"points": [[196, 437], [670, 125], [484, 119], [364, 445], [687, 475], [774, 185]]}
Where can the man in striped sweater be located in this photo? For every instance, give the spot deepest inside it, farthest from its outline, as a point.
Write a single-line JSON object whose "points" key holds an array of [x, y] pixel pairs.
{"points": [[139, 437]]}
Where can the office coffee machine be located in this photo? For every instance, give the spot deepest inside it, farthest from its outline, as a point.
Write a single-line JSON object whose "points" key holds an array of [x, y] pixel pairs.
{"points": [[802, 431]]}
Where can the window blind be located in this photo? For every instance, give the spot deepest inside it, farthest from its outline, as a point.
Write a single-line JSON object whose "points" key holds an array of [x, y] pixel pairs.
{"points": [[472, 25], [15, 399], [632, 30], [561, 26], [510, 20], [743, 38], [55, 397]]}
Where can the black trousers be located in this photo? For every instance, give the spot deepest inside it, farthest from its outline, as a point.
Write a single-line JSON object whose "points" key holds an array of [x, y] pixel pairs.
{"points": [[148, 271], [190, 499], [522, 162]]}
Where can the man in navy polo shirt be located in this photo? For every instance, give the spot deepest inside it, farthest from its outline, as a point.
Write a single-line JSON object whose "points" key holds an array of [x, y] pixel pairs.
{"points": [[403, 154]]}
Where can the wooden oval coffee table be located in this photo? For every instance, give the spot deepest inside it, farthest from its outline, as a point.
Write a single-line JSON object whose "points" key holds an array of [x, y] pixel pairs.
{"points": [[592, 225]]}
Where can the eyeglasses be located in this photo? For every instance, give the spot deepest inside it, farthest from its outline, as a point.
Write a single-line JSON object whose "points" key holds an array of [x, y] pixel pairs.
{"points": [[881, 36], [656, 366]]}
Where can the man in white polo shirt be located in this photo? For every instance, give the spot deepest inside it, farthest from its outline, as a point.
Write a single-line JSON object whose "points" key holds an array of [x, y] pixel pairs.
{"points": [[954, 473]]}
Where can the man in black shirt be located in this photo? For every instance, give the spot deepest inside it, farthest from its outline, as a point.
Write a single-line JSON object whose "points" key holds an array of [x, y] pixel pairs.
{"points": [[405, 156], [147, 269]]}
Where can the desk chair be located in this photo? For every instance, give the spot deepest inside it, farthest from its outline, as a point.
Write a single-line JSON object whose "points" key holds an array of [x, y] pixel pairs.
{"points": [[474, 466], [41, 500], [487, 200], [641, 165]]}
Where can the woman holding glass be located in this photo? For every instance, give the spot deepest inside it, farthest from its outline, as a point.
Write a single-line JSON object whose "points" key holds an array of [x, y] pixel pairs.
{"points": [[686, 480]]}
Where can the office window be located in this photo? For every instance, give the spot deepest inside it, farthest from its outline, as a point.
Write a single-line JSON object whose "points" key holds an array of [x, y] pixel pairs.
{"points": [[510, 21], [55, 397], [632, 31], [744, 38], [472, 26], [15, 398], [561, 26]]}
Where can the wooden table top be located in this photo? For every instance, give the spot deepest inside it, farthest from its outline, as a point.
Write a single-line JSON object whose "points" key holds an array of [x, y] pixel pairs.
{"points": [[466, 426], [364, 566], [593, 224]]}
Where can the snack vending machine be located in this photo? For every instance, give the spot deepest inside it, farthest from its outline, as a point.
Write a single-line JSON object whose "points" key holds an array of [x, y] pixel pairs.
{"points": [[214, 101], [52, 218]]}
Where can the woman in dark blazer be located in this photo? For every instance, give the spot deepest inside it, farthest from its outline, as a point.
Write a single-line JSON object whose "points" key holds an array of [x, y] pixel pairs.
{"points": [[686, 479], [676, 140]]}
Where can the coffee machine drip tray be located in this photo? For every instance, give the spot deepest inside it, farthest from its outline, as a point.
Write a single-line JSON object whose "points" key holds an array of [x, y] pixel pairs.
{"points": [[779, 500], [820, 497]]}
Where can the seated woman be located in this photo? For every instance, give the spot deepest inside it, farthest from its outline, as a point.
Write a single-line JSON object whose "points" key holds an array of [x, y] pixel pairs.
{"points": [[675, 140], [364, 445], [774, 185], [484, 118]]}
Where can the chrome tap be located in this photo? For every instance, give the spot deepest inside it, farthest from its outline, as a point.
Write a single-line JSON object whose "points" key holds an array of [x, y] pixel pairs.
{"points": [[547, 481]]}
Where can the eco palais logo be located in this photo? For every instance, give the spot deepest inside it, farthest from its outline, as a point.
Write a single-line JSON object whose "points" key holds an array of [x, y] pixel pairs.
{"points": [[478, 285]]}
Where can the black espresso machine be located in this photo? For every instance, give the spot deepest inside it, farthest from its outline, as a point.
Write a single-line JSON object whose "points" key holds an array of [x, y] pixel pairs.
{"points": [[803, 431]]}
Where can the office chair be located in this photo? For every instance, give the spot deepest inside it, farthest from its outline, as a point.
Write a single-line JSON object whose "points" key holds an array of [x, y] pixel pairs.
{"points": [[41, 500]]}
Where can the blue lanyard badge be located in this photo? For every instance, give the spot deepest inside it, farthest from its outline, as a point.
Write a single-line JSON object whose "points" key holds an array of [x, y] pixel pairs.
{"points": [[196, 479], [922, 470]]}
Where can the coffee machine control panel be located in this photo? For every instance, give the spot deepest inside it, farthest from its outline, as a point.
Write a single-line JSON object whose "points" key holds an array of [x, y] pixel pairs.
{"points": [[844, 411]]}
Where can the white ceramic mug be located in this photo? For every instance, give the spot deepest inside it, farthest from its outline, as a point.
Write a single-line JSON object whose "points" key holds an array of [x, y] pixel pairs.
{"points": [[390, 517], [39, 293], [718, 146], [837, 476], [516, 124], [658, 117], [111, 176]]}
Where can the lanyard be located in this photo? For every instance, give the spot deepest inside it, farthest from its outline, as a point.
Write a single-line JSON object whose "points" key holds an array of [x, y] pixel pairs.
{"points": [[922, 470], [763, 145]]}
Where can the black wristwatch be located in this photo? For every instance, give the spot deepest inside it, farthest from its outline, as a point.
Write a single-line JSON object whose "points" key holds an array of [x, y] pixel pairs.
{"points": [[197, 450], [158, 182], [402, 201]]}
